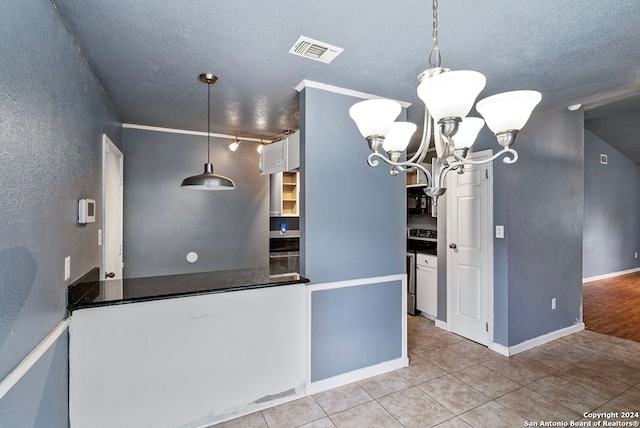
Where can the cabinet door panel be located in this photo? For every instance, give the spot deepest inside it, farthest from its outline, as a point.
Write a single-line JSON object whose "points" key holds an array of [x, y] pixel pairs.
{"points": [[426, 291]]}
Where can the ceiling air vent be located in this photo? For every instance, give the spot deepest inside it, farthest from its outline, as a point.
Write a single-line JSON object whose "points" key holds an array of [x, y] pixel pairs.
{"points": [[313, 49]]}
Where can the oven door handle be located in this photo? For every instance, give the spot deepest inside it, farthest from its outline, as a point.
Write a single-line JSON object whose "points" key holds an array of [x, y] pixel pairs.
{"points": [[283, 255]]}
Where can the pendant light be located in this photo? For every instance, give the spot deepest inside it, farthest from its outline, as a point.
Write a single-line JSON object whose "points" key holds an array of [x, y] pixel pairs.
{"points": [[208, 180]]}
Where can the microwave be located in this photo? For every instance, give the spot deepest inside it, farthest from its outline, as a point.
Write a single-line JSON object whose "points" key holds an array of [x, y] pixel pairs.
{"points": [[417, 201], [86, 211]]}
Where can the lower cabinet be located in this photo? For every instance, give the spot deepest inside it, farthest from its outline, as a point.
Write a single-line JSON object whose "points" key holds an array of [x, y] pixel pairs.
{"points": [[427, 285]]}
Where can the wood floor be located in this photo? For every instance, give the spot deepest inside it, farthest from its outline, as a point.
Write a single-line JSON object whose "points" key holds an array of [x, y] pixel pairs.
{"points": [[612, 306]]}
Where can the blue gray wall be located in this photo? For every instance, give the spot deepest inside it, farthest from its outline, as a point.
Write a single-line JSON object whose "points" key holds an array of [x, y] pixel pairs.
{"points": [[353, 217], [163, 222], [545, 199], [52, 116], [40, 398], [353, 220], [611, 210], [348, 321]]}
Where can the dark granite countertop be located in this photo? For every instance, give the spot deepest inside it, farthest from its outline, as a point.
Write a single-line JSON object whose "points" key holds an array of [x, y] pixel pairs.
{"points": [[89, 291]]}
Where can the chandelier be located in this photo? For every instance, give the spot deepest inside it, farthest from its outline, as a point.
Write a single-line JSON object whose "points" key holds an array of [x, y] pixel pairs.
{"points": [[448, 97]]}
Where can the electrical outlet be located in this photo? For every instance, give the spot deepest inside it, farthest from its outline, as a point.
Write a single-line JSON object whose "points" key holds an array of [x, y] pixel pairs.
{"points": [[636, 254], [67, 267], [499, 231], [553, 303]]}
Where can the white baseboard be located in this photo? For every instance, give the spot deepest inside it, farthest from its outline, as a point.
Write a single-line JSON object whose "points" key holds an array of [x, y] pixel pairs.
{"points": [[33, 357], [536, 341], [356, 375], [500, 349], [610, 275]]}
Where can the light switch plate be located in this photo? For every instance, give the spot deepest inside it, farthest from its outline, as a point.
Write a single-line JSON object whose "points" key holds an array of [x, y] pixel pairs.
{"points": [[499, 231]]}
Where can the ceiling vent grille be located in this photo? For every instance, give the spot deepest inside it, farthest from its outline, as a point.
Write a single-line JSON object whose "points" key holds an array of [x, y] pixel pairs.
{"points": [[314, 49]]}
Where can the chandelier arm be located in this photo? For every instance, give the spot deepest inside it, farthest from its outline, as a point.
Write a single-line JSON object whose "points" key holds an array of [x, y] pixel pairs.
{"points": [[374, 160], [443, 174], [507, 151], [425, 143]]}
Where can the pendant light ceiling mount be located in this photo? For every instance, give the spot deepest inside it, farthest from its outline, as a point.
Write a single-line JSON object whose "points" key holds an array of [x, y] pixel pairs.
{"points": [[208, 78], [208, 180]]}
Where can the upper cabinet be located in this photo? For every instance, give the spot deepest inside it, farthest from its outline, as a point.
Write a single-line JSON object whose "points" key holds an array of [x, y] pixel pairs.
{"points": [[285, 190], [280, 156]]}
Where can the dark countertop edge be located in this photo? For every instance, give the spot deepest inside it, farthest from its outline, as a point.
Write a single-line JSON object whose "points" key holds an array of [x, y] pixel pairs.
{"points": [[72, 308]]}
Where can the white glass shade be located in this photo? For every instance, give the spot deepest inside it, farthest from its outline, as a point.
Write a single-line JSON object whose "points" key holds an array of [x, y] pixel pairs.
{"points": [[508, 111], [375, 117], [451, 94], [467, 132], [399, 136]]}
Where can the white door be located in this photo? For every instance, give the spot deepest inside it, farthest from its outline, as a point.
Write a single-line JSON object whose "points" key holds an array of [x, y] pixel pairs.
{"points": [[112, 166], [470, 251]]}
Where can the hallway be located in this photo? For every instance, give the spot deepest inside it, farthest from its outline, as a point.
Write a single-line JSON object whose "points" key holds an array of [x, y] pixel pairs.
{"points": [[612, 306]]}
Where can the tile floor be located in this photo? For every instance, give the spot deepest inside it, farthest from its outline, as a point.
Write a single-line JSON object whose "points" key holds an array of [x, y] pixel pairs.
{"points": [[453, 382]]}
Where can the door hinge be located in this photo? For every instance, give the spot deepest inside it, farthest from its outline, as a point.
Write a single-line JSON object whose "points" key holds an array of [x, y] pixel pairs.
{"points": [[486, 325], [486, 173]]}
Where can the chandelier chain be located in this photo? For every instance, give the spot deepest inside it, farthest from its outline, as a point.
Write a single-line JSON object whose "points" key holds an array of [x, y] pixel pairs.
{"points": [[434, 55]]}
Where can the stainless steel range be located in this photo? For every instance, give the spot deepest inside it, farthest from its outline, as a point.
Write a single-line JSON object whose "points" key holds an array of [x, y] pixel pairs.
{"points": [[422, 240]]}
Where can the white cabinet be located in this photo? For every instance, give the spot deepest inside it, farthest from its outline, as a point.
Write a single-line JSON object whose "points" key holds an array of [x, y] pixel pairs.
{"points": [[285, 190], [283, 155], [427, 285]]}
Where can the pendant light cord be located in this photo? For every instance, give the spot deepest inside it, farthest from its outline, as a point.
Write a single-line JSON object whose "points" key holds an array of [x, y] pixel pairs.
{"points": [[208, 122]]}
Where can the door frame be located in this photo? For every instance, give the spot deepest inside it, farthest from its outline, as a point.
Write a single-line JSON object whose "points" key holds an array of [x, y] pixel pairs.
{"points": [[108, 145], [489, 245]]}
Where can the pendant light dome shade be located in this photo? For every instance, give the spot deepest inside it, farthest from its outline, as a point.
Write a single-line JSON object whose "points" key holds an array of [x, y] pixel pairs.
{"points": [[208, 180]]}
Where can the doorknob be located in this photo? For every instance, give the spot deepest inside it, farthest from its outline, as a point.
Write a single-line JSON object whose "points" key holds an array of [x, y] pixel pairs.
{"points": [[110, 275], [453, 246]]}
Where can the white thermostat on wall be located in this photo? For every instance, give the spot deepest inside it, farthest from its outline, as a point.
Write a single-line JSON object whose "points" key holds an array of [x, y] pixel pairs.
{"points": [[86, 211]]}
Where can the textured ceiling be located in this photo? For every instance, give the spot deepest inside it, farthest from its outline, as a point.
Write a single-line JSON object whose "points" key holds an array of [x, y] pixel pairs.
{"points": [[147, 55]]}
